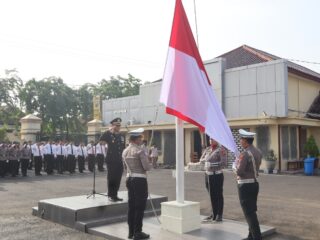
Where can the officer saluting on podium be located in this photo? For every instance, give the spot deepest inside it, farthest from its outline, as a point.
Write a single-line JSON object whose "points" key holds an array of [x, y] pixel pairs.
{"points": [[136, 163], [247, 167], [115, 143]]}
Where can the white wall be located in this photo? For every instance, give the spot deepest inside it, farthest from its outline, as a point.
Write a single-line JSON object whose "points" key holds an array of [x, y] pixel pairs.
{"points": [[215, 70], [141, 108], [250, 90], [244, 92]]}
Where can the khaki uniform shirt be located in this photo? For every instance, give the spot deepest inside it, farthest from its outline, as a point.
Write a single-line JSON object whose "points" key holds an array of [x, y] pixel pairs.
{"points": [[13, 153], [245, 165], [3, 153], [135, 159], [215, 159], [25, 153]]}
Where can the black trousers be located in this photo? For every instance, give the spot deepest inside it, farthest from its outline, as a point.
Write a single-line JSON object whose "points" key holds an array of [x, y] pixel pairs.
{"points": [[100, 161], [248, 195], [31, 163], [3, 168], [137, 199], [115, 170], [91, 162], [49, 161], [65, 164], [14, 167], [24, 165], [81, 163], [60, 161], [37, 164], [214, 185], [71, 161]]}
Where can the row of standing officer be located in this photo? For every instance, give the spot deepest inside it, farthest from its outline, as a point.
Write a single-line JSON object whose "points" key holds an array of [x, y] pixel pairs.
{"points": [[60, 156], [63, 157], [49, 156], [11, 156]]}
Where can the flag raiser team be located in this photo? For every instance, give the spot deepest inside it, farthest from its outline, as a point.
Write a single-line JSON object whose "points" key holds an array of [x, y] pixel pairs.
{"points": [[187, 94]]}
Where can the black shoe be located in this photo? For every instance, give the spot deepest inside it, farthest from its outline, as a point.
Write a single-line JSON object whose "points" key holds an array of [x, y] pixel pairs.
{"points": [[130, 235], [209, 219], [219, 218], [112, 199], [118, 199], [249, 237], [140, 235]]}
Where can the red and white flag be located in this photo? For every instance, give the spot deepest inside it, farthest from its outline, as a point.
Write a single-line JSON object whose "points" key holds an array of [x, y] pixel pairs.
{"points": [[186, 89]]}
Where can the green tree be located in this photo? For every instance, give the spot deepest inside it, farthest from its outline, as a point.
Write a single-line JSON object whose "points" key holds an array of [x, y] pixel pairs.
{"points": [[10, 85], [118, 87], [85, 94], [54, 102], [3, 134], [311, 148]]}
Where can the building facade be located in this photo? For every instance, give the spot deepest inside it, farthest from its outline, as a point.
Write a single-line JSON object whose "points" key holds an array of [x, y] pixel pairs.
{"points": [[277, 99]]}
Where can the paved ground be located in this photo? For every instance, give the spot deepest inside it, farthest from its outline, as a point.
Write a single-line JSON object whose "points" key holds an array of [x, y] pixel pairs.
{"points": [[290, 203]]}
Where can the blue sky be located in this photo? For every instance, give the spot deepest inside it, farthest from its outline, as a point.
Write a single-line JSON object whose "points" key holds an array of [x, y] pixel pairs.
{"points": [[85, 41]]}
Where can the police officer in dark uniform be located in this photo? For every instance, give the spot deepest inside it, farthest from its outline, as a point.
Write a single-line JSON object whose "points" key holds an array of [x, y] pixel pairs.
{"points": [[246, 168], [114, 163], [137, 164], [3, 159]]}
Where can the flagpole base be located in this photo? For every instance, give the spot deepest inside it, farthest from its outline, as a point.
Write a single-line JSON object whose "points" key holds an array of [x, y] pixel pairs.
{"points": [[180, 217]]}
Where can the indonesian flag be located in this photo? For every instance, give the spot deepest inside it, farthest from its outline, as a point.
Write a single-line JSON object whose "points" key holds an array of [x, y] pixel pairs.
{"points": [[186, 89]]}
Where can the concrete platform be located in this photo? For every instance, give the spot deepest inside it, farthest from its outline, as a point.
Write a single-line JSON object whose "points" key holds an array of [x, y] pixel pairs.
{"points": [[81, 213], [227, 230]]}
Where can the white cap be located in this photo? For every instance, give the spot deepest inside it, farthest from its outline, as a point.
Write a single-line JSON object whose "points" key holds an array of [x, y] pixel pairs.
{"points": [[245, 134], [136, 132]]}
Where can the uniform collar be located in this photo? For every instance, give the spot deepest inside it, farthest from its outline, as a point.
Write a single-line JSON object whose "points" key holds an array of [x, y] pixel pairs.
{"points": [[133, 144]]}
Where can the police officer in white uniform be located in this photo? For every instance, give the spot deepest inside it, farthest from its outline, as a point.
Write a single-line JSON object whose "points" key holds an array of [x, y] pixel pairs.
{"points": [[37, 157], [100, 155], [71, 158], [49, 151], [82, 155]]}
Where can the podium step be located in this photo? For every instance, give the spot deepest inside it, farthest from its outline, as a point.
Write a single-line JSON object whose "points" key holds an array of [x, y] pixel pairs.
{"points": [[81, 212]]}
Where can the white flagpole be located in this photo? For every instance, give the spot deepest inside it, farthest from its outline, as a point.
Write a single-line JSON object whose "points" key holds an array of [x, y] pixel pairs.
{"points": [[179, 161]]}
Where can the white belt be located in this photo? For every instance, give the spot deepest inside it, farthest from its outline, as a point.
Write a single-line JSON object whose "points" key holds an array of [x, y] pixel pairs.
{"points": [[141, 175], [250, 180], [213, 173]]}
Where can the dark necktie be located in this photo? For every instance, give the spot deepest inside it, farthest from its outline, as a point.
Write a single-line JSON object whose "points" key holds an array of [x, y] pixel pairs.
{"points": [[82, 151], [61, 149], [71, 150], [51, 148]]}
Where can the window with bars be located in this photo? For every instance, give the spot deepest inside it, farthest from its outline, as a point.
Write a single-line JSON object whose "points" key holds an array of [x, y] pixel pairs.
{"points": [[289, 143]]}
